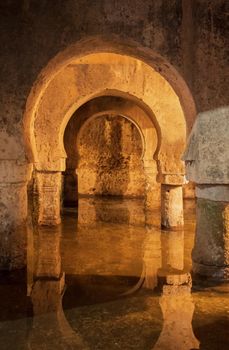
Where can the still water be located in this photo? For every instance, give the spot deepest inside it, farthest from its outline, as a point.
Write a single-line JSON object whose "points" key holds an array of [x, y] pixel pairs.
{"points": [[110, 278]]}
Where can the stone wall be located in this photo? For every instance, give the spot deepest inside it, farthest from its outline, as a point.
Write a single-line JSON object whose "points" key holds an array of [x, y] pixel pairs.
{"points": [[190, 34], [110, 150], [132, 142]]}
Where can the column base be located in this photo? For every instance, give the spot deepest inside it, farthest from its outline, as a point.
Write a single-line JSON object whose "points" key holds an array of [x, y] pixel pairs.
{"points": [[214, 273]]}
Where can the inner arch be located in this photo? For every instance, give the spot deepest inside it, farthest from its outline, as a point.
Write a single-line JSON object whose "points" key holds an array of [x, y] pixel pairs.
{"points": [[108, 140]]}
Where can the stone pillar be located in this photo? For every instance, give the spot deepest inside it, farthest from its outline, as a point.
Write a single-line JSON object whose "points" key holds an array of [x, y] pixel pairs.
{"points": [[13, 213], [171, 206], [48, 187], [206, 159], [211, 250]]}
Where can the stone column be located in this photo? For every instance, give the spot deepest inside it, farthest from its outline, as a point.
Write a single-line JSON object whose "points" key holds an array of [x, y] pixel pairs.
{"points": [[48, 187], [207, 158], [171, 206], [211, 250], [13, 213]]}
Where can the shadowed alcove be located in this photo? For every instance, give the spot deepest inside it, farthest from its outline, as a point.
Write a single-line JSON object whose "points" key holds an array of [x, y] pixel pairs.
{"points": [[107, 141]]}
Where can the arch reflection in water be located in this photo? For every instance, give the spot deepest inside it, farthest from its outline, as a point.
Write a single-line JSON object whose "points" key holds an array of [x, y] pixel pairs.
{"points": [[162, 252], [163, 262], [50, 329]]}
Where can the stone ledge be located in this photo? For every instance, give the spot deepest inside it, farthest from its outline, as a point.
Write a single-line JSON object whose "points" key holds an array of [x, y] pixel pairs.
{"points": [[172, 179]]}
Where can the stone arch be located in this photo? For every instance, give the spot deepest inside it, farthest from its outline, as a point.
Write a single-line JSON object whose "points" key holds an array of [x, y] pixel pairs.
{"points": [[108, 104], [85, 115], [95, 67]]}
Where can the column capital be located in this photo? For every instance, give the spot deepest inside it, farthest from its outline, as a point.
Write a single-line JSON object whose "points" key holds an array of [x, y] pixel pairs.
{"points": [[172, 179]]}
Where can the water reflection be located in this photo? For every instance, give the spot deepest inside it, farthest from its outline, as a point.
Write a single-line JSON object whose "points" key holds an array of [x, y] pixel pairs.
{"points": [[111, 285], [132, 258], [50, 329], [99, 209], [177, 307]]}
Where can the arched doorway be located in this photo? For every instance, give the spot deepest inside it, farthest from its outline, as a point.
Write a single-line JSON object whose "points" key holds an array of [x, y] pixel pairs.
{"points": [[128, 144], [104, 178], [94, 68]]}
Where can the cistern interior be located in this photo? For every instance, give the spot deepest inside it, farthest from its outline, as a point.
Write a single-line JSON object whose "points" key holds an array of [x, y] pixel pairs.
{"points": [[113, 239]]}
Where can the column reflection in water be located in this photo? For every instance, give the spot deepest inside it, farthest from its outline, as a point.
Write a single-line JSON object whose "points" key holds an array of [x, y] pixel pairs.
{"points": [[50, 329], [164, 267], [163, 252], [172, 250], [177, 308], [151, 257]]}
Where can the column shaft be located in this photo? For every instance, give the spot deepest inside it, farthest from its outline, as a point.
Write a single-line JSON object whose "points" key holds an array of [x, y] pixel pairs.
{"points": [[211, 249], [48, 185], [171, 206]]}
